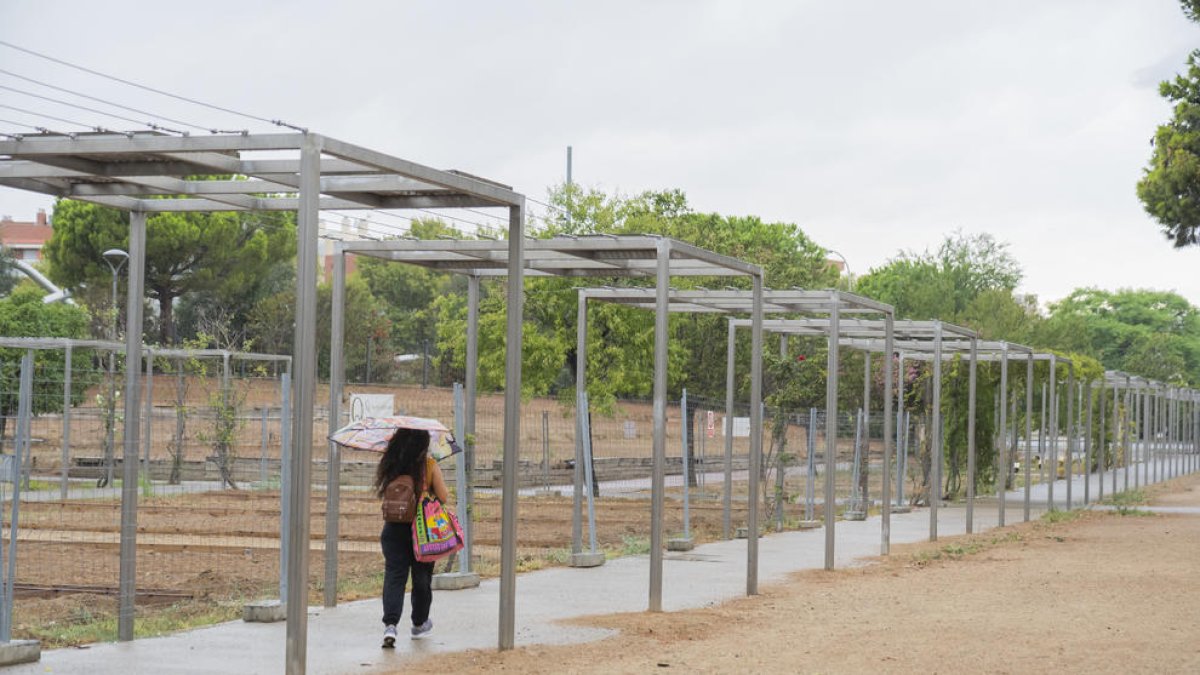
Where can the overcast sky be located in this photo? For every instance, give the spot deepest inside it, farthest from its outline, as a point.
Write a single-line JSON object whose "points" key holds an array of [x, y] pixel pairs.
{"points": [[876, 126]]}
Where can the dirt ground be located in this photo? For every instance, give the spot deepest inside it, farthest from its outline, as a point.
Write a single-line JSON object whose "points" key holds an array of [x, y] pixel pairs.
{"points": [[1103, 592]]}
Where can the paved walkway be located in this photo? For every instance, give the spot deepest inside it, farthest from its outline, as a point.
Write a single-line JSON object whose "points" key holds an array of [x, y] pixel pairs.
{"points": [[346, 639]]}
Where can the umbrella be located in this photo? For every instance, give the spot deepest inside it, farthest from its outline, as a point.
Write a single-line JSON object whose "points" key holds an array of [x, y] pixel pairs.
{"points": [[373, 433]]}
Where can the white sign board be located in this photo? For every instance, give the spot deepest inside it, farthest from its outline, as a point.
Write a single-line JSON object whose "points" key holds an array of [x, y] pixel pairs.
{"points": [[741, 427], [711, 426], [371, 405]]}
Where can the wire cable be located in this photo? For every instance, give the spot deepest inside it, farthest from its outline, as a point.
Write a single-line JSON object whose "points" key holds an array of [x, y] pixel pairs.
{"points": [[51, 99], [160, 92], [118, 105], [18, 124], [51, 117]]}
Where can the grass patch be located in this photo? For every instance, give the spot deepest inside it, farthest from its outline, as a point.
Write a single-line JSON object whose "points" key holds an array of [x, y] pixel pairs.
{"points": [[1056, 516], [1128, 498], [84, 625], [1131, 511], [633, 545]]}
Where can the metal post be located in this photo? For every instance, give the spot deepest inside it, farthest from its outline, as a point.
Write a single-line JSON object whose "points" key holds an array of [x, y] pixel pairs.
{"points": [[1028, 432], [129, 468], [1087, 450], [1127, 435], [661, 307], [1052, 442], [727, 496], [831, 413], [587, 474], [756, 432], [545, 451], [467, 518], [20, 451], [683, 435], [901, 430], [1070, 429], [65, 467], [304, 365], [262, 455], [809, 480], [865, 459], [935, 469], [885, 497], [460, 476], [337, 375], [580, 413], [285, 482], [512, 424], [1102, 440], [149, 415], [1003, 461]]}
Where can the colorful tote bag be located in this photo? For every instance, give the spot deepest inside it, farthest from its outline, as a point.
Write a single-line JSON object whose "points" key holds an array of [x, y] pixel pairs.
{"points": [[436, 532]]}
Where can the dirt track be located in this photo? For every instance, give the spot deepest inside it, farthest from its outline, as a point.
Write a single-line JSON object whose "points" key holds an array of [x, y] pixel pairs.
{"points": [[1104, 593]]}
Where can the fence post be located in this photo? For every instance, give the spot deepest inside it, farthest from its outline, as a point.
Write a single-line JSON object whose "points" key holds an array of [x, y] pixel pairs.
{"points": [[810, 477], [460, 478], [20, 446], [545, 450], [262, 462], [65, 469], [149, 414]]}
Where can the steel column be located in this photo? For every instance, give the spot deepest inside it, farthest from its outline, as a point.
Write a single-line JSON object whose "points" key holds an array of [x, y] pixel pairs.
{"points": [[512, 424], [756, 418], [580, 411], [337, 375], [467, 519], [1003, 461], [831, 412], [727, 497], [935, 468], [129, 467], [885, 496], [1052, 442], [661, 309], [1087, 450], [1028, 434], [1070, 428], [304, 367]]}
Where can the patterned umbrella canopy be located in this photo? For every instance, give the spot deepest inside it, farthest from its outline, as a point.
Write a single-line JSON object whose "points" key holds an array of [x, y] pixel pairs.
{"points": [[373, 433]]}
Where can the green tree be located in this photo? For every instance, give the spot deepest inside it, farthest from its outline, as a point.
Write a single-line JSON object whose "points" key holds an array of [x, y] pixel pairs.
{"points": [[1151, 333], [8, 271], [23, 314], [185, 252]]}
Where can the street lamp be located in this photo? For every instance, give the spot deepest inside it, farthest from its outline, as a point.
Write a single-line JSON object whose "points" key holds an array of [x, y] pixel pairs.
{"points": [[846, 264], [121, 257]]}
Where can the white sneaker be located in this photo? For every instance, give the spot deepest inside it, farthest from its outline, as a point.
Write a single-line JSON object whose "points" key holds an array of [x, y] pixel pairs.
{"points": [[389, 636], [423, 629]]}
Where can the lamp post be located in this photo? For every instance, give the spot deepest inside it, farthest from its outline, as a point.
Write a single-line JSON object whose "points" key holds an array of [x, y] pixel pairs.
{"points": [[121, 257], [846, 264]]}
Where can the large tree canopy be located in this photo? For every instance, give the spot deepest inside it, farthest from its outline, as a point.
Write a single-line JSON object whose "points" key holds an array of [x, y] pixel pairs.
{"points": [[185, 252], [1170, 188], [1150, 333]]}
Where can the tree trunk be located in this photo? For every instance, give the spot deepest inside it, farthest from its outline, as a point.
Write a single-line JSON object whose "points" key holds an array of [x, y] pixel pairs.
{"points": [[166, 318]]}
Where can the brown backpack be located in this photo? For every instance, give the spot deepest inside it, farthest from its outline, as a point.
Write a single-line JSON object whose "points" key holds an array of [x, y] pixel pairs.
{"points": [[400, 500]]}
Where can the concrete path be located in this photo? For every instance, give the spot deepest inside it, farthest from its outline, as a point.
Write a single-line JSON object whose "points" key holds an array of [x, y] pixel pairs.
{"points": [[346, 639]]}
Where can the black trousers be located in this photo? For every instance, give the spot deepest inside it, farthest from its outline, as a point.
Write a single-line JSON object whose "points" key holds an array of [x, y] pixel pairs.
{"points": [[396, 540]]}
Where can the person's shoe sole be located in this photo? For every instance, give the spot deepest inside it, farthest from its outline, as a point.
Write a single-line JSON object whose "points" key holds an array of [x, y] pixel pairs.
{"points": [[389, 642]]}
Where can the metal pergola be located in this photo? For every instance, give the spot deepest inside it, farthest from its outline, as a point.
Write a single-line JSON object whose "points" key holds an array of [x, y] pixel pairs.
{"points": [[1167, 418], [638, 256], [827, 303], [150, 172]]}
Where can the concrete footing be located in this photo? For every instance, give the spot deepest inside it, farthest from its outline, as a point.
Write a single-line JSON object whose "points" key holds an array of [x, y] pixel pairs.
{"points": [[455, 581], [547, 492], [742, 533], [587, 559], [681, 544], [902, 509], [265, 611], [854, 515], [809, 524], [20, 651]]}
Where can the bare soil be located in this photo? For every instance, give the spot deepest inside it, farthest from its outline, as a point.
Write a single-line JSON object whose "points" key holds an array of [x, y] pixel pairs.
{"points": [[1099, 593]]}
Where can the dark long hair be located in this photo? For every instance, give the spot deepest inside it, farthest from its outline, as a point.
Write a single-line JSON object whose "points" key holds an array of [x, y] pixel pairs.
{"points": [[405, 455]]}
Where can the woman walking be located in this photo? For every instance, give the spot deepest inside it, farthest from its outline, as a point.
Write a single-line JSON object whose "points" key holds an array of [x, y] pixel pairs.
{"points": [[408, 456]]}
